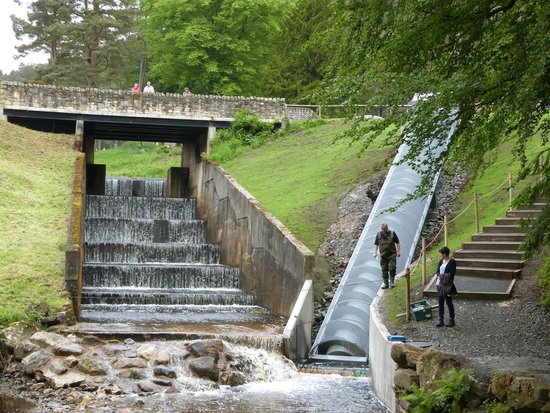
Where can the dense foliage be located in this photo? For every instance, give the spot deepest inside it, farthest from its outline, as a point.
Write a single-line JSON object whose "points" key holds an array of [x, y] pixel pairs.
{"points": [[482, 65], [213, 47]]}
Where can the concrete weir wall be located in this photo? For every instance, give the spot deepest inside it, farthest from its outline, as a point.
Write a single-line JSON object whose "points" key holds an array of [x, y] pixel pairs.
{"points": [[15, 95], [274, 265], [381, 365]]}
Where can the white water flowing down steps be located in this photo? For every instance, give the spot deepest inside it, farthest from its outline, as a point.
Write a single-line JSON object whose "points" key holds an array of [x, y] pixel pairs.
{"points": [[149, 272]]}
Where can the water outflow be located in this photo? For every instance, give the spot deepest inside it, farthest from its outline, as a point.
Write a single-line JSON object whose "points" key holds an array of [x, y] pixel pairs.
{"points": [[345, 329], [147, 260]]}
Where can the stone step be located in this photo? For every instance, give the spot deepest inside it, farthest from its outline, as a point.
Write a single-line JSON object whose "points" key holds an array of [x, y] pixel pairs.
{"points": [[145, 230], [188, 314], [487, 272], [476, 287], [100, 206], [108, 252], [540, 205], [490, 263], [492, 245], [160, 275], [506, 229], [488, 254], [161, 296], [523, 213], [268, 335], [499, 237]]}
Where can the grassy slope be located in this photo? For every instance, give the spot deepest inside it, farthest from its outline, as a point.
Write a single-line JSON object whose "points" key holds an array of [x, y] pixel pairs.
{"points": [[35, 187], [137, 160], [301, 176]]}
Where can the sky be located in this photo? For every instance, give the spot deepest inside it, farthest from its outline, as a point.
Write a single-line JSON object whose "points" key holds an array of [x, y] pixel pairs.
{"points": [[7, 38]]}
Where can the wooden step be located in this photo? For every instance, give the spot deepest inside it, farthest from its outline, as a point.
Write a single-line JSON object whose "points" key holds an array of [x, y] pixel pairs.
{"points": [[492, 245], [523, 213], [498, 237], [489, 254], [490, 263], [506, 229], [477, 287], [487, 272], [512, 220]]}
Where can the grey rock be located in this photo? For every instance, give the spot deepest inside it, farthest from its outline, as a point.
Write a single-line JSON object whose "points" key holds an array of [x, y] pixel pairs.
{"points": [[147, 386], [93, 366], [164, 371], [35, 360], [162, 382], [205, 367], [23, 349], [58, 367], [45, 339], [125, 363], [67, 349], [92, 341]]}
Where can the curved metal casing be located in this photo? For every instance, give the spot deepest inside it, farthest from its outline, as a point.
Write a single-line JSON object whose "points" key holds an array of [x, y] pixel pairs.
{"points": [[345, 330]]}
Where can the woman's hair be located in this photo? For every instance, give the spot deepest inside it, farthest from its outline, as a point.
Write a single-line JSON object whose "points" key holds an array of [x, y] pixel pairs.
{"points": [[445, 251]]}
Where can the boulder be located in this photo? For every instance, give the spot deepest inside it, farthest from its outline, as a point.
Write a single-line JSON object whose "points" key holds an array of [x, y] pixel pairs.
{"points": [[92, 341], [58, 367], [404, 378], [527, 394], [147, 351], [406, 355], [126, 363], [205, 367], [131, 374], [113, 350], [147, 386], [17, 332], [434, 364], [23, 349], [67, 349], [163, 357], [35, 360], [206, 348], [93, 366], [164, 371], [70, 361], [45, 339], [70, 379], [232, 378], [162, 382]]}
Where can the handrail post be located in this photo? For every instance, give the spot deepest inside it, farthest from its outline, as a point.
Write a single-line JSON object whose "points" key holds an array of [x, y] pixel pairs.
{"points": [[423, 261], [445, 231], [408, 294], [476, 211], [510, 189]]}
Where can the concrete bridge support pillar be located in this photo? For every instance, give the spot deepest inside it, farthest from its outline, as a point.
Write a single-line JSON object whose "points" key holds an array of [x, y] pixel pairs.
{"points": [[209, 137], [88, 147], [2, 116]]}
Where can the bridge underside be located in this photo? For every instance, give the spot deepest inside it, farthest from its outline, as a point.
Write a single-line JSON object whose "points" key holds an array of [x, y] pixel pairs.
{"points": [[129, 128]]}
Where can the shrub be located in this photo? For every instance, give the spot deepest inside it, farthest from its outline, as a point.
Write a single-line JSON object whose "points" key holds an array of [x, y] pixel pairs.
{"points": [[446, 398], [544, 282]]}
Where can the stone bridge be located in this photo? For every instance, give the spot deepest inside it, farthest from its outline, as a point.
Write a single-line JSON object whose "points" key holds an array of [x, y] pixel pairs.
{"points": [[122, 115]]}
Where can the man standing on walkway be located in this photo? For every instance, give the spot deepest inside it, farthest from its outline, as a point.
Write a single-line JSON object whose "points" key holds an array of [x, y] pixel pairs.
{"points": [[387, 242]]}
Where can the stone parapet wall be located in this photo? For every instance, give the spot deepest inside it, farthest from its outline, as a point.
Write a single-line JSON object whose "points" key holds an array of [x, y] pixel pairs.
{"points": [[15, 95]]}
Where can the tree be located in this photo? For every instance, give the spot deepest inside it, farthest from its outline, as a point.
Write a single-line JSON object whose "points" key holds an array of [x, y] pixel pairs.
{"points": [[90, 42], [484, 62], [46, 26], [300, 52], [212, 46]]}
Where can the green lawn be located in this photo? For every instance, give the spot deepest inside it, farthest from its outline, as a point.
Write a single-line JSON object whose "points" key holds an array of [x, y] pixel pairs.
{"points": [[35, 192], [301, 176], [139, 159]]}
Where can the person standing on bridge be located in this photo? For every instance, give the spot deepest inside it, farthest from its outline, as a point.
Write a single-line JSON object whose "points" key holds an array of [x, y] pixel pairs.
{"points": [[148, 89], [388, 243], [135, 89]]}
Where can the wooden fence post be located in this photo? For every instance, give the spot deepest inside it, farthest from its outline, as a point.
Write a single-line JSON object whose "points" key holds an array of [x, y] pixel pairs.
{"points": [[408, 294], [424, 261], [476, 211], [445, 231], [510, 189]]}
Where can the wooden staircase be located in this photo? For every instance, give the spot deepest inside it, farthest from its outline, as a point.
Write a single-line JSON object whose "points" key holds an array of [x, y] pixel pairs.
{"points": [[488, 265]]}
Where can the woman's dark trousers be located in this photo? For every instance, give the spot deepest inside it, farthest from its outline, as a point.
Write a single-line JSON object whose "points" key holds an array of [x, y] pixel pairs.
{"points": [[449, 300]]}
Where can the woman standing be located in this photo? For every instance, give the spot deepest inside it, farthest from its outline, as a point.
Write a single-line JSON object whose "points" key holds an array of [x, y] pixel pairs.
{"points": [[445, 272]]}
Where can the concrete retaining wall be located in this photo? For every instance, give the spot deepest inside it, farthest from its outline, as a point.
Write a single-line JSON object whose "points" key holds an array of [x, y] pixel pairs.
{"points": [[273, 263], [74, 252], [297, 333], [16, 95], [381, 365]]}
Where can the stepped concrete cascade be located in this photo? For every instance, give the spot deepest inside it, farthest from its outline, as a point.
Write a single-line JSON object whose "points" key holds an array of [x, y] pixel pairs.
{"points": [[149, 270], [488, 266]]}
